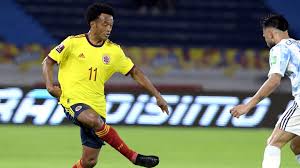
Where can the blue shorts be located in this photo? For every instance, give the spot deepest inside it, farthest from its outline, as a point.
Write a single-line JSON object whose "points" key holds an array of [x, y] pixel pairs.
{"points": [[88, 135]]}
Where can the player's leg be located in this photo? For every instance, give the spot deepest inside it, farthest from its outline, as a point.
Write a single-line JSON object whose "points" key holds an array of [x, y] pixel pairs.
{"points": [[293, 126], [91, 146], [295, 147], [272, 153], [89, 157], [282, 134], [90, 119]]}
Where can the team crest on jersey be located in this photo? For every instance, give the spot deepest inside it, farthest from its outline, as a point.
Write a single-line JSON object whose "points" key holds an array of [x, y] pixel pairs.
{"points": [[106, 59], [78, 108], [60, 48]]}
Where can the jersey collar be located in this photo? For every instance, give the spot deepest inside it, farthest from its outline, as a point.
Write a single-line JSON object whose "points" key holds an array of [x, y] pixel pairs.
{"points": [[87, 38]]}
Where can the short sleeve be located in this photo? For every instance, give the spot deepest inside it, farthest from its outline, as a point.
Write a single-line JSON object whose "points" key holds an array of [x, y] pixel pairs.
{"points": [[124, 64], [279, 59], [60, 51]]}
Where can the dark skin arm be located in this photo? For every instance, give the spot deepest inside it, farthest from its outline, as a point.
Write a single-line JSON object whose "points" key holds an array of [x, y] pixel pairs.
{"points": [[141, 79], [48, 65]]}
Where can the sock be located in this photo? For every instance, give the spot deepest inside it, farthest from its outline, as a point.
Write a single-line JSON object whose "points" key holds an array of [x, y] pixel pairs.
{"points": [[78, 164], [298, 158], [271, 157], [110, 135]]}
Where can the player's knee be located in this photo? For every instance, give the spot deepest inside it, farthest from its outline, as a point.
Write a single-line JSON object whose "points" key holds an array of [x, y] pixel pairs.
{"points": [[295, 148], [89, 162], [96, 123], [276, 142], [92, 162]]}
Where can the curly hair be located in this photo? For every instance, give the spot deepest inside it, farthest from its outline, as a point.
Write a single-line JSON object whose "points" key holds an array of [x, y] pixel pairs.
{"points": [[94, 10]]}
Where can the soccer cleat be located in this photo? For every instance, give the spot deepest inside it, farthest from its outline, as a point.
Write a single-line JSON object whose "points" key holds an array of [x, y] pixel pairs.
{"points": [[146, 161]]}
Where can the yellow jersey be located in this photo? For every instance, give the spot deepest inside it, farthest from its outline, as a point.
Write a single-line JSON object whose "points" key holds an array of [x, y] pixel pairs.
{"points": [[84, 68]]}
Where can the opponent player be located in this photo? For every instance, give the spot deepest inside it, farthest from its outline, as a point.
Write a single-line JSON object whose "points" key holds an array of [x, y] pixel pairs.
{"points": [[284, 60], [86, 62]]}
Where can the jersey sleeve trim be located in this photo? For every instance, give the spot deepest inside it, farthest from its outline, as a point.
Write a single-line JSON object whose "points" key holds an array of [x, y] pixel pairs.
{"points": [[51, 58], [130, 70], [275, 72]]}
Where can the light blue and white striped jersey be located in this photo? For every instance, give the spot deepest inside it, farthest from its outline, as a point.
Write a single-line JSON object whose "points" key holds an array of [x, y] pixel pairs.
{"points": [[285, 60]]}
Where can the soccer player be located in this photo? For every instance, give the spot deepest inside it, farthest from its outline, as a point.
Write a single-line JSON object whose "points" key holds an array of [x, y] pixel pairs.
{"points": [[85, 63], [284, 60]]}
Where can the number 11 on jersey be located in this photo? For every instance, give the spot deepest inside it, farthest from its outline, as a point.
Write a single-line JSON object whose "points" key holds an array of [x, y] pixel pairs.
{"points": [[91, 74]]}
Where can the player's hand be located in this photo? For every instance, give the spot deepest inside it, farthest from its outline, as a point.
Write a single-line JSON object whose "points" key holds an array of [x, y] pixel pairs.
{"points": [[54, 91], [239, 110], [162, 104]]}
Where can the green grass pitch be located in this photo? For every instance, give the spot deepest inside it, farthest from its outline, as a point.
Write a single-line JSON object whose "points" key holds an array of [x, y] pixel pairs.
{"points": [[59, 146]]}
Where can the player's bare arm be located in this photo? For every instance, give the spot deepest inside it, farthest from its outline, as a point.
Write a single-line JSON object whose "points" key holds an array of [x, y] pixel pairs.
{"points": [[266, 89], [48, 65], [140, 78]]}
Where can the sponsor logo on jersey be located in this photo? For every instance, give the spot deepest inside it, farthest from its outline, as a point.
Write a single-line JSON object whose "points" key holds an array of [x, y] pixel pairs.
{"points": [[60, 48], [81, 56], [106, 59]]}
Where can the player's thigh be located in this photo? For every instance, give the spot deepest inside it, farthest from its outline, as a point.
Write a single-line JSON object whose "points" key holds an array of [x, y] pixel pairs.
{"points": [[295, 145], [287, 127], [280, 137], [87, 116], [90, 154]]}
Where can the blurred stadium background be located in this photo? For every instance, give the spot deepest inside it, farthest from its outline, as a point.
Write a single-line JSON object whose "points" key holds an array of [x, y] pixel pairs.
{"points": [[204, 56]]}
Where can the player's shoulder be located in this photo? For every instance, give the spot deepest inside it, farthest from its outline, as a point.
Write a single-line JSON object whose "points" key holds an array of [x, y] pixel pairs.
{"points": [[76, 37], [277, 47], [281, 49], [112, 44], [281, 46]]}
